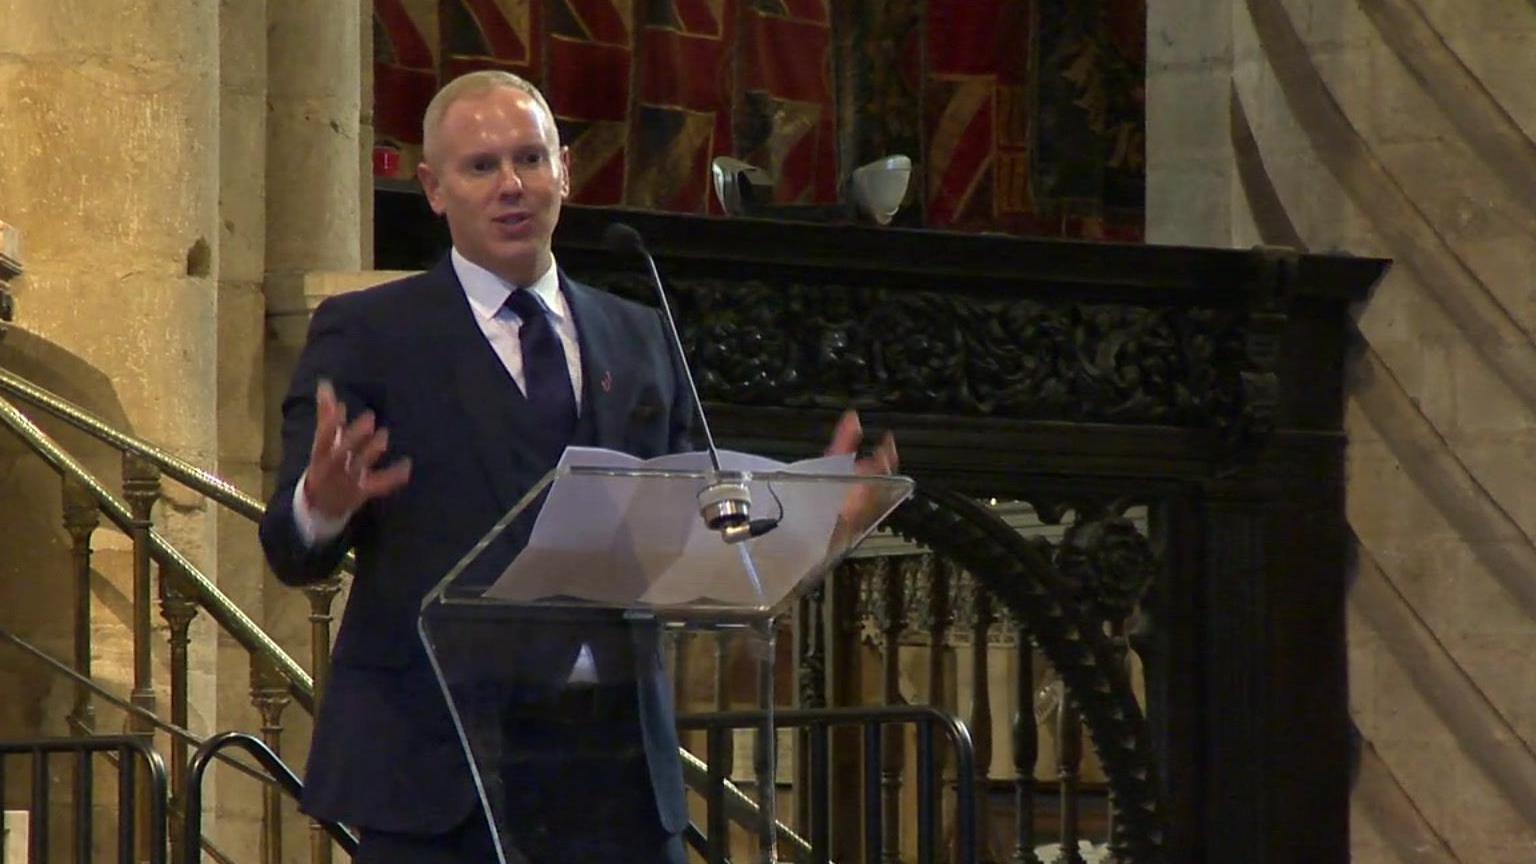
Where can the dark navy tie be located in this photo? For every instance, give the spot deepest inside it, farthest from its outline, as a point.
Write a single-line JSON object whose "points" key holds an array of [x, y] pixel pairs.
{"points": [[546, 378]]}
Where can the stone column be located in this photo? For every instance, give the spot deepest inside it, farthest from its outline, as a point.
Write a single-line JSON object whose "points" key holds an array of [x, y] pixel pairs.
{"points": [[313, 224], [1401, 128], [235, 824], [109, 163], [365, 136], [314, 102], [313, 199]]}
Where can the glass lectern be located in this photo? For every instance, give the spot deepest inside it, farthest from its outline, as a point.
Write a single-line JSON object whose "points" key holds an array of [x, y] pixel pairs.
{"points": [[547, 637]]}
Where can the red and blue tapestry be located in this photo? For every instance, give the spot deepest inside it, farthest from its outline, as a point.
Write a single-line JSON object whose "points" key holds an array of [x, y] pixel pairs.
{"points": [[1022, 116]]}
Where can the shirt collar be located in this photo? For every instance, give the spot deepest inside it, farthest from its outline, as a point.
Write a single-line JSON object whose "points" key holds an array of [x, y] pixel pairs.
{"points": [[488, 293]]}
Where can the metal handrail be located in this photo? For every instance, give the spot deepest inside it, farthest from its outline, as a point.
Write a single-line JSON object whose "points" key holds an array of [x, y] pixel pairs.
{"points": [[206, 483], [738, 805], [220, 607], [183, 472], [60, 667], [927, 716], [279, 774]]}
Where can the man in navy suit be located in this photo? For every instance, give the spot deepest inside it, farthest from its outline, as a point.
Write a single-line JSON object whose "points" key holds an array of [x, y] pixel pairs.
{"points": [[419, 414]]}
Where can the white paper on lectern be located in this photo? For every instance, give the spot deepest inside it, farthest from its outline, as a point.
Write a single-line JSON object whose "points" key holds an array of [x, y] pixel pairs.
{"points": [[639, 541]]}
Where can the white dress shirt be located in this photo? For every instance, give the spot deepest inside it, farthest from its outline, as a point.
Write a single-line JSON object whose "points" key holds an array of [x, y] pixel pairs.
{"points": [[488, 293]]}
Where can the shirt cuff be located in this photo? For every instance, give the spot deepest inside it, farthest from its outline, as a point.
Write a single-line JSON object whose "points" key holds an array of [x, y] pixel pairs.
{"points": [[314, 528]]}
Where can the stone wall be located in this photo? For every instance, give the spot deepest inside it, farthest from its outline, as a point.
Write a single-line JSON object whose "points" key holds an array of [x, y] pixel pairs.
{"points": [[109, 164], [178, 175], [1400, 128]]}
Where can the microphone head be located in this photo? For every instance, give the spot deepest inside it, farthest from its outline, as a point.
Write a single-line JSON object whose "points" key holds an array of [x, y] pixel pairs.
{"points": [[619, 237]]}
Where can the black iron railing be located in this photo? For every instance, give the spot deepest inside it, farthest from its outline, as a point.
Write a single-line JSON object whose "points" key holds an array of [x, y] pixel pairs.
{"points": [[277, 770], [130, 752], [875, 723]]}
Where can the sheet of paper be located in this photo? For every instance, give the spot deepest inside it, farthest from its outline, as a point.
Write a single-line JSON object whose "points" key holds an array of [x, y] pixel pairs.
{"points": [[629, 541]]}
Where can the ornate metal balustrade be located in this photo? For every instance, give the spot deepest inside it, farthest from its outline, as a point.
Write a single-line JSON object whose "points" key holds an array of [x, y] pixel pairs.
{"points": [[921, 612], [1202, 386]]}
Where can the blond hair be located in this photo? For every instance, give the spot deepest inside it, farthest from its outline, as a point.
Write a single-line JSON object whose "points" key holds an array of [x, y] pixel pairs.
{"points": [[474, 84]]}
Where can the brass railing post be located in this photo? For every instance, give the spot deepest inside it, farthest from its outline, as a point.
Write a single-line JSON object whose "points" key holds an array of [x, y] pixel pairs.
{"points": [[727, 763], [723, 639], [178, 609], [939, 615], [141, 489], [1069, 758], [682, 643], [321, 596], [810, 692], [981, 719], [846, 613], [81, 518], [892, 622], [1026, 751], [269, 693]]}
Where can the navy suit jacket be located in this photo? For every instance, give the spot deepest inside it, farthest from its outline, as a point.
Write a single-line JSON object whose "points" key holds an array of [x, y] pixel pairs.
{"points": [[385, 754]]}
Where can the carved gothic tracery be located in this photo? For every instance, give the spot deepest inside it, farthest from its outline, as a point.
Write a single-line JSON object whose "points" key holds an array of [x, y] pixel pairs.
{"points": [[930, 352]]}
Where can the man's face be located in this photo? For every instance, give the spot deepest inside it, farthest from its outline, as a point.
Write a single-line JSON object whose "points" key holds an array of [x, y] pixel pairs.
{"points": [[496, 170]]}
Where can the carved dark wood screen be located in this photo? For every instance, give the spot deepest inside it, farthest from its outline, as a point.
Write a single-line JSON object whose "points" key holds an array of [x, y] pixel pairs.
{"points": [[1204, 384]]}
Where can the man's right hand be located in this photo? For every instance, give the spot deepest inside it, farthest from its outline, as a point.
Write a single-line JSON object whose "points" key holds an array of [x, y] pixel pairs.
{"points": [[862, 507], [341, 476]]}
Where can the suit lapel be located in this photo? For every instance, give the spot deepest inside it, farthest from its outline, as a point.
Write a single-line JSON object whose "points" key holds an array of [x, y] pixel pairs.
{"points": [[604, 383]]}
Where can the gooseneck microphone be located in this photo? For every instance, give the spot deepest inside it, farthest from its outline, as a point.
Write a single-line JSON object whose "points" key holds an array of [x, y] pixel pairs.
{"points": [[725, 502]]}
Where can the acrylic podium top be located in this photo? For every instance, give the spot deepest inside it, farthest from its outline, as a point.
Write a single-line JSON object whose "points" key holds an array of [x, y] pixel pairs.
{"points": [[605, 530]]}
